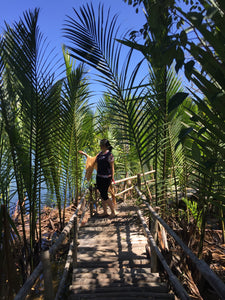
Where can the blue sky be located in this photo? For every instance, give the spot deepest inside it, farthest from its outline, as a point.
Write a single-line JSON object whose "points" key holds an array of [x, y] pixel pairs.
{"points": [[53, 14]]}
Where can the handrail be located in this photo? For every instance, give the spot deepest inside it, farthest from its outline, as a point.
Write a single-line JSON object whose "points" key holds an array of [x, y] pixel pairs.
{"points": [[134, 177], [67, 228], [124, 191], [69, 260], [173, 279], [216, 283], [37, 271]]}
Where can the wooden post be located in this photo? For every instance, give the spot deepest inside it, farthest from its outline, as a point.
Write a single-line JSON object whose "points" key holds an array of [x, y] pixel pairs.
{"points": [[164, 241], [139, 181], [124, 187], [154, 232], [48, 292], [91, 201], [75, 238]]}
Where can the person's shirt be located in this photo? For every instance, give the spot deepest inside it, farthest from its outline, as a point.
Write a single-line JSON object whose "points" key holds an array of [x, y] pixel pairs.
{"points": [[104, 161]]}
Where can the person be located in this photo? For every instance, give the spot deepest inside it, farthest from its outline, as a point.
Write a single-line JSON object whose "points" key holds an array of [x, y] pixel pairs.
{"points": [[105, 174]]}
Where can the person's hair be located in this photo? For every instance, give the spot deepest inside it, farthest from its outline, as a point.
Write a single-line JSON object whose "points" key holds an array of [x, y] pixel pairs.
{"points": [[106, 143]]}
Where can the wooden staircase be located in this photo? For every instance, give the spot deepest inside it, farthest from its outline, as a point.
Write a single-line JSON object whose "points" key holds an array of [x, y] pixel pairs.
{"points": [[112, 261]]}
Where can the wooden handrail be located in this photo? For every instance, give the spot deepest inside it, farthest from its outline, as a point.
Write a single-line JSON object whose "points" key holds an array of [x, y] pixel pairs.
{"points": [[124, 191], [69, 261], [215, 282], [134, 177], [148, 181], [37, 271], [173, 279]]}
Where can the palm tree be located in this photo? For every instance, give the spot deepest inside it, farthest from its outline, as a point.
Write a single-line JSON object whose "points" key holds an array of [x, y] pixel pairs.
{"points": [[205, 135], [77, 119], [138, 111], [6, 169], [127, 162], [30, 104]]}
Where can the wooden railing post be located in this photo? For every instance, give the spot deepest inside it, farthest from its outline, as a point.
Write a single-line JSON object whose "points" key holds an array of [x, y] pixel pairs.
{"points": [[124, 187], [75, 239], [154, 232], [48, 291], [139, 181]]}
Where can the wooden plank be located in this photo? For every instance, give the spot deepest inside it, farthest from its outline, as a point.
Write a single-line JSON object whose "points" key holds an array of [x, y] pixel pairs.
{"points": [[75, 238], [154, 232], [29, 282], [65, 272], [114, 286], [124, 191], [123, 294], [125, 179], [133, 177], [48, 291]]}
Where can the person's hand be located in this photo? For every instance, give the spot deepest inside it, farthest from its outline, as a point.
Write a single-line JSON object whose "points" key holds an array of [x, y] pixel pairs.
{"points": [[83, 153], [113, 181]]}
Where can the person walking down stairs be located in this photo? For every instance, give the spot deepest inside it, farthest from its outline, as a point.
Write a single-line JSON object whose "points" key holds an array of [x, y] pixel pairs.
{"points": [[104, 163]]}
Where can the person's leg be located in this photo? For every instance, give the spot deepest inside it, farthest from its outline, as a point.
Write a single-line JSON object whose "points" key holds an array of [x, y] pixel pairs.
{"points": [[104, 196], [112, 208], [109, 201], [104, 206]]}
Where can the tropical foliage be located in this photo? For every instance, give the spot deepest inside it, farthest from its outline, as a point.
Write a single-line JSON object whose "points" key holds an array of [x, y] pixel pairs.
{"points": [[145, 114], [137, 111], [152, 119], [77, 120], [44, 121], [207, 134]]}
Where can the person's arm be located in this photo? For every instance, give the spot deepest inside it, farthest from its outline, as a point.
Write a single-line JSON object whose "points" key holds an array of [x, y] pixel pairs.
{"points": [[83, 153]]}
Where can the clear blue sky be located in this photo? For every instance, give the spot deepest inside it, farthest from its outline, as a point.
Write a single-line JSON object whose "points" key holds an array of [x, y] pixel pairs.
{"points": [[53, 14]]}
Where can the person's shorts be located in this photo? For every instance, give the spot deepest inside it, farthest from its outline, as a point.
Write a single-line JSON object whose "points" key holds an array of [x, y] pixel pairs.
{"points": [[103, 186]]}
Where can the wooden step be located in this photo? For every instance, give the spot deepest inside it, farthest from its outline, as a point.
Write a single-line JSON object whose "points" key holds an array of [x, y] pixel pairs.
{"points": [[100, 231], [111, 242], [105, 227], [107, 241], [101, 240], [115, 270], [106, 285], [116, 222], [128, 277], [116, 276], [123, 295], [104, 262], [110, 255], [123, 245]]}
